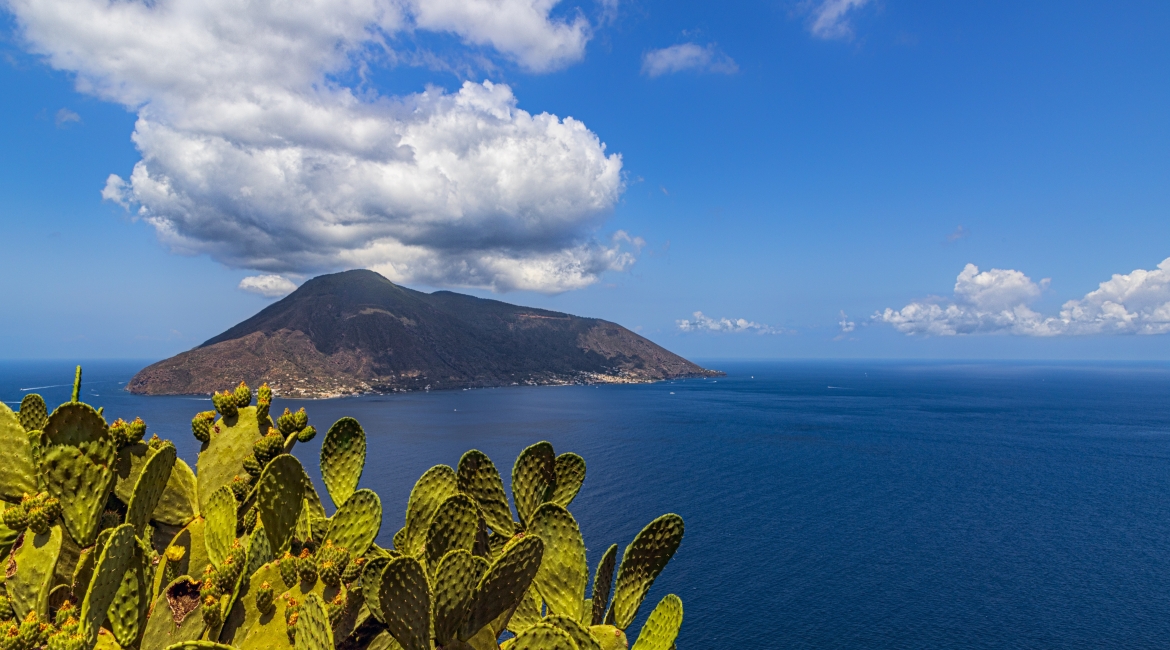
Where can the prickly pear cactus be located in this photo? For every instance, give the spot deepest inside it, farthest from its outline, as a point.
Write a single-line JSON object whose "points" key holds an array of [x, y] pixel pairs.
{"points": [[432, 489], [280, 497], [34, 561], [404, 600], [179, 502], [662, 627], [642, 561], [503, 585], [454, 580], [34, 415], [602, 584], [117, 544], [534, 479], [544, 636], [479, 479], [581, 636], [80, 481], [453, 526], [17, 474], [343, 456], [231, 443], [219, 531], [357, 522], [115, 559], [314, 631], [570, 469], [149, 488], [563, 573]]}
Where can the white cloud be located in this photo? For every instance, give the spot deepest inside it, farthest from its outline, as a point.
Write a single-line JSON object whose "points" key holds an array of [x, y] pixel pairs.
{"points": [[269, 286], [830, 18], [1135, 303], [687, 56], [64, 117], [255, 154], [997, 301], [700, 323], [520, 28], [846, 325]]}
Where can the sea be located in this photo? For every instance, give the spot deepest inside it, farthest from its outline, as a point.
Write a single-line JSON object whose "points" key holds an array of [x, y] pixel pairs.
{"points": [[828, 504]]}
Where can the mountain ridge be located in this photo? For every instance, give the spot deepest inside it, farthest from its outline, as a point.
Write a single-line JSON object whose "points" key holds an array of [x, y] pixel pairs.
{"points": [[356, 332]]}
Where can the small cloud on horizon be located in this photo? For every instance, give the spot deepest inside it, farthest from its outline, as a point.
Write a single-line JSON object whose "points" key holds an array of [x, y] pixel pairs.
{"points": [[687, 56], [846, 324], [269, 286], [701, 323]]}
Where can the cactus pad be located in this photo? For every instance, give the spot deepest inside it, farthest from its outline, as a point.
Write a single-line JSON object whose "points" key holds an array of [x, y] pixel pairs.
{"points": [[479, 478], [609, 637], [80, 484], [453, 527], [544, 636], [405, 603], [149, 488], [198, 645], [356, 523], [503, 585], [570, 475], [223, 459], [455, 578], [115, 558], [178, 504], [74, 423], [17, 474], [313, 629], [35, 562], [564, 572], [175, 616], [527, 612], [259, 552], [128, 609], [534, 479], [661, 629], [219, 531], [602, 583], [432, 489], [34, 415], [343, 456], [372, 582], [642, 561], [580, 635], [280, 496]]}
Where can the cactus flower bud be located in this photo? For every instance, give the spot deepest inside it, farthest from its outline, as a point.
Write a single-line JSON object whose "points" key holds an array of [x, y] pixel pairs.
{"points": [[201, 425], [306, 434], [286, 422], [16, 518], [242, 395], [265, 599]]}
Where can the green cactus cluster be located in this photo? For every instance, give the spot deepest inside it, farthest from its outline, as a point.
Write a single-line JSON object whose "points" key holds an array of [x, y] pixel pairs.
{"points": [[114, 541], [33, 512]]}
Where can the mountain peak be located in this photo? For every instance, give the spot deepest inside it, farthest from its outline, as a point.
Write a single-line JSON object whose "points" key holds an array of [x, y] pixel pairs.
{"points": [[357, 332]]}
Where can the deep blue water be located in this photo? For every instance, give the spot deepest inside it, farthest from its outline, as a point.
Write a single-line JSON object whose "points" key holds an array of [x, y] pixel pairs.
{"points": [[827, 504]]}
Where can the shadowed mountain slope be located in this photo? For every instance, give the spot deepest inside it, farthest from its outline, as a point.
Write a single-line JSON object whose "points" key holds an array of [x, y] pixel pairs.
{"points": [[357, 332]]}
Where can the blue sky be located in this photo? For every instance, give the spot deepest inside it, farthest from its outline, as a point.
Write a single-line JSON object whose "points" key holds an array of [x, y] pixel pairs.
{"points": [[796, 168]]}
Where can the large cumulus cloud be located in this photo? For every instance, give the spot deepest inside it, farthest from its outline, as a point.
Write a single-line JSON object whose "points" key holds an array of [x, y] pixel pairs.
{"points": [[254, 152]]}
